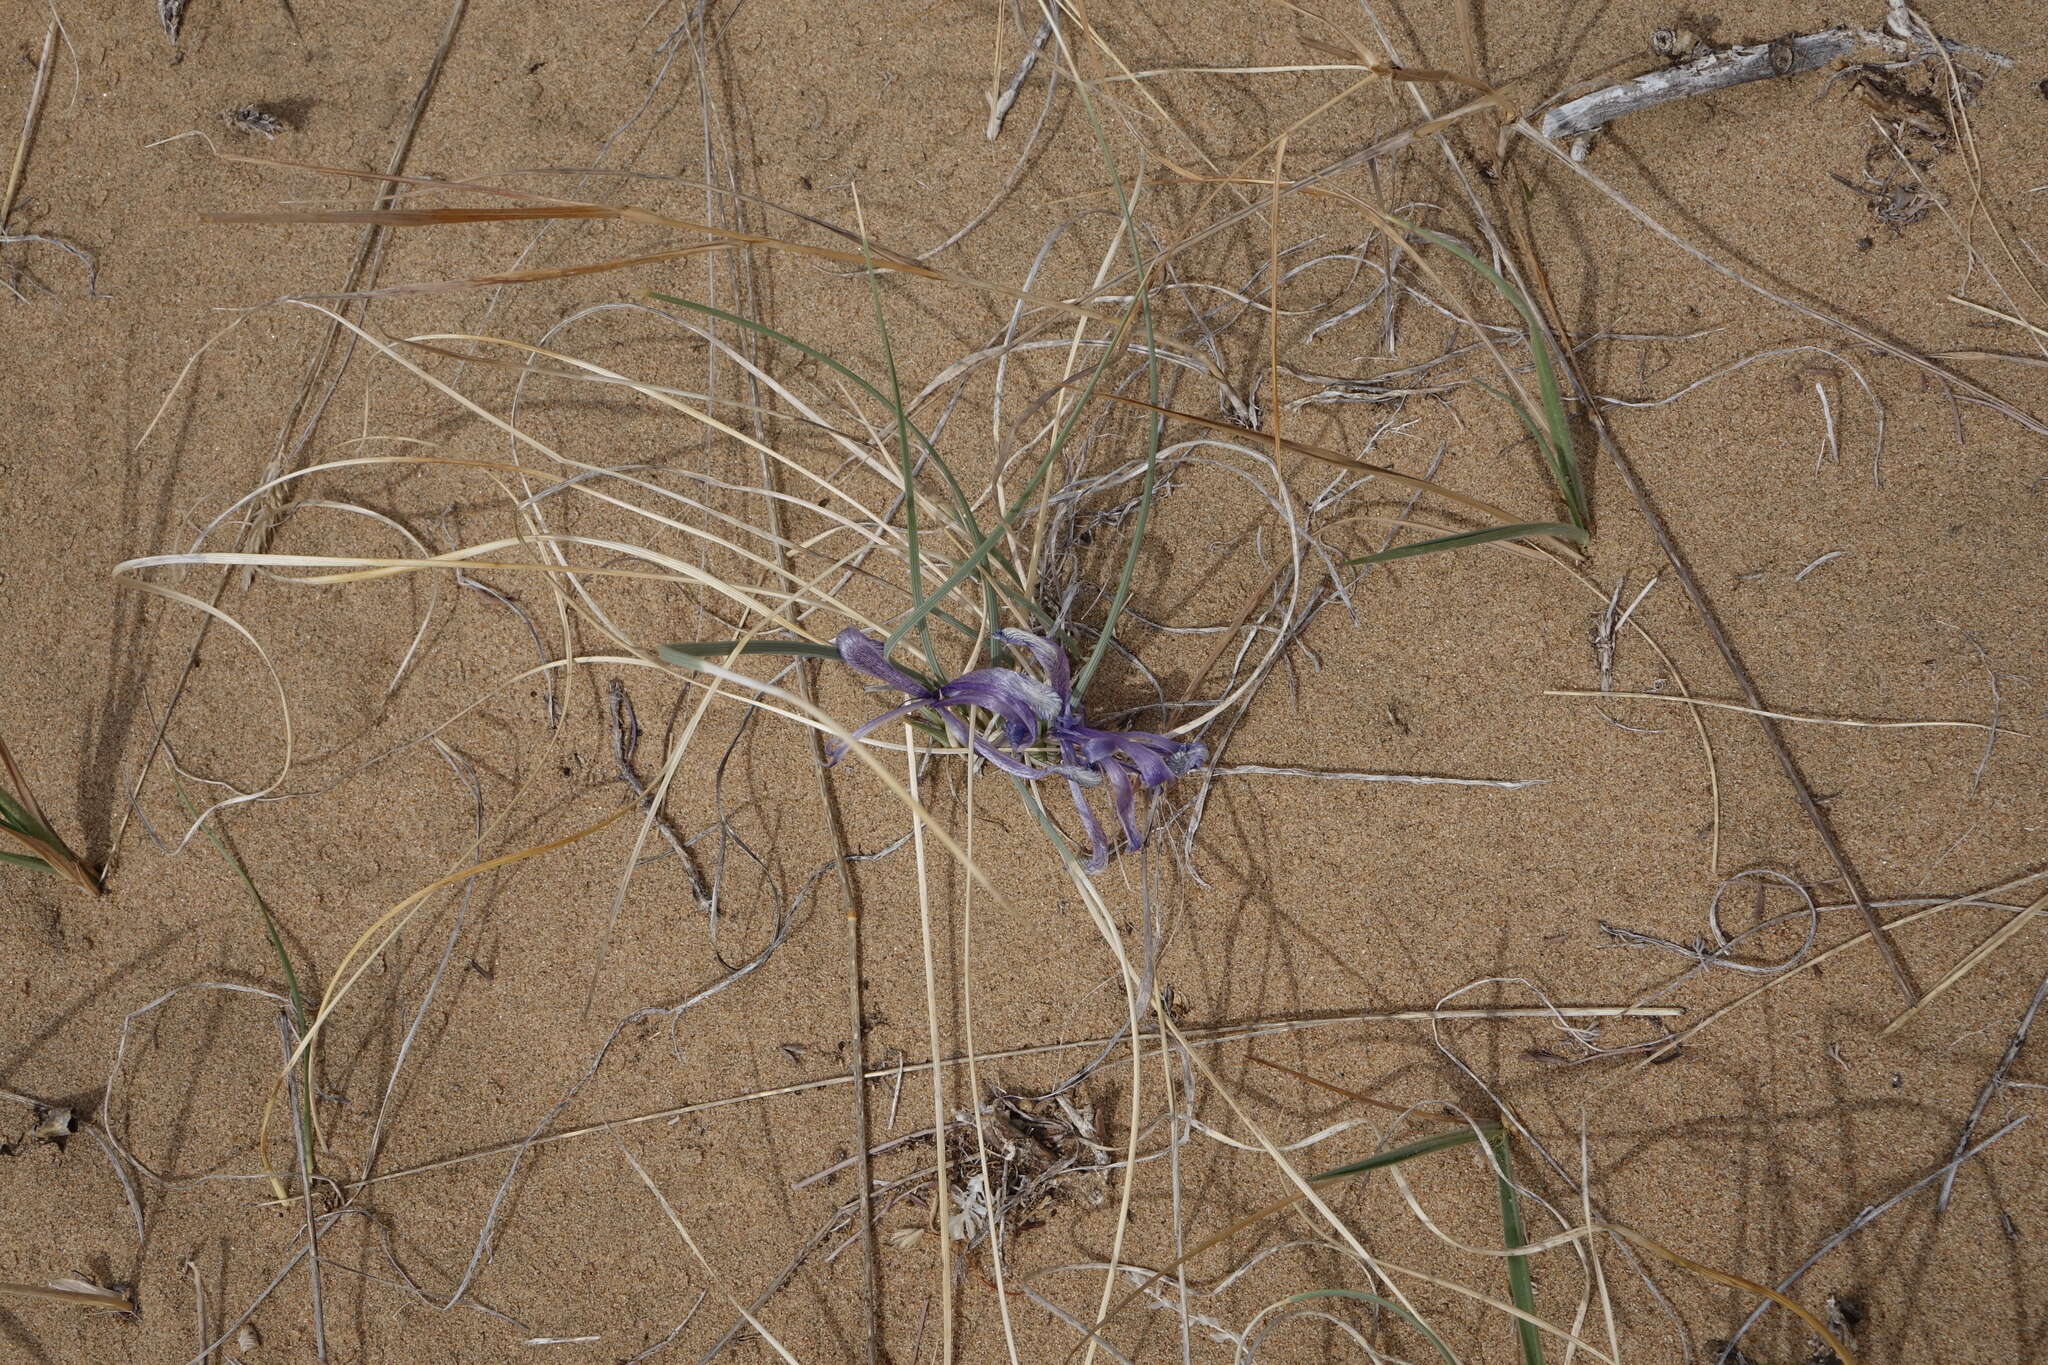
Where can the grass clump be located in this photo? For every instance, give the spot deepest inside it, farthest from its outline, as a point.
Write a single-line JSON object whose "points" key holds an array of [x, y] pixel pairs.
{"points": [[37, 845]]}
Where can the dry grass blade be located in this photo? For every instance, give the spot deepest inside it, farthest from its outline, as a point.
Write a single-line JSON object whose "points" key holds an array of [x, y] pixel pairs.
{"points": [[1971, 961], [76, 1293], [1423, 1147], [538, 207], [1706, 1272], [1331, 457], [361, 958], [675, 1221], [28, 124], [1850, 721]]}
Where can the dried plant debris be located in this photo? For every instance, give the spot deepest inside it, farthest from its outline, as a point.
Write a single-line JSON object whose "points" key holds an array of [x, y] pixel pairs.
{"points": [[1910, 127], [55, 1125], [254, 118], [1845, 1316], [1039, 1149], [171, 14], [1897, 206], [1896, 103]]}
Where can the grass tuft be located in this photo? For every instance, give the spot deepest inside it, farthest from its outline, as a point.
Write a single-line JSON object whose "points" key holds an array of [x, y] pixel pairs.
{"points": [[23, 821]]}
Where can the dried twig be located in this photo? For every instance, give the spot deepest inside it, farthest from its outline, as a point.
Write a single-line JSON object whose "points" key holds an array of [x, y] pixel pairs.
{"points": [[1689, 583], [999, 105], [1869, 1215], [1729, 67], [1991, 1088], [625, 728], [28, 123], [1703, 75]]}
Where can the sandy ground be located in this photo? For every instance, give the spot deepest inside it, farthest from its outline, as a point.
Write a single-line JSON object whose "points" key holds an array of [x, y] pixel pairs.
{"points": [[1754, 1145]]}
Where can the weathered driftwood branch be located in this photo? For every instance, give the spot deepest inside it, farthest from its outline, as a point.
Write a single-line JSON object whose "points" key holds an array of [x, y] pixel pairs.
{"points": [[1727, 68], [1702, 76]]}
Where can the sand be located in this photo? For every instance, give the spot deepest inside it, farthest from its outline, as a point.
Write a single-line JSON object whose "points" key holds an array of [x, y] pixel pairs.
{"points": [[1906, 587]]}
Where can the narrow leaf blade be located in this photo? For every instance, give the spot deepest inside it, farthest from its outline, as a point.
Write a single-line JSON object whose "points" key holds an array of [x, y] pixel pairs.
{"points": [[1521, 531]]}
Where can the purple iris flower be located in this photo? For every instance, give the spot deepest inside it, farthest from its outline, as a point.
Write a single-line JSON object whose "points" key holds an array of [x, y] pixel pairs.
{"points": [[1023, 704], [1108, 756], [1029, 710]]}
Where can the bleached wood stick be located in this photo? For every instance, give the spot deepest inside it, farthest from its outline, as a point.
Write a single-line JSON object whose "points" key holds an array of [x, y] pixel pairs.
{"points": [[1702, 76], [1728, 68]]}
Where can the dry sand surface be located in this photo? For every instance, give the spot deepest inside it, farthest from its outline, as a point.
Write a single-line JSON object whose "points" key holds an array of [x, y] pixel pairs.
{"points": [[1865, 523]]}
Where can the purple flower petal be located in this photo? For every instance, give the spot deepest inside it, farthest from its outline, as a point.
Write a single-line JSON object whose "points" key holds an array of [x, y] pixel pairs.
{"points": [[1126, 803], [1098, 847], [1151, 764], [1147, 753], [1052, 660], [1122, 760], [865, 655], [1023, 703], [836, 751], [961, 734]]}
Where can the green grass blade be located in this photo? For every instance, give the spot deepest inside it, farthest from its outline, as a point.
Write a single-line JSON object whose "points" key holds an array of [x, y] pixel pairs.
{"points": [[1519, 531], [906, 462], [1010, 584], [1561, 465], [1556, 443], [1141, 292], [972, 564], [14, 815], [1521, 1288], [1457, 1137], [1396, 1309], [284, 960], [16, 819]]}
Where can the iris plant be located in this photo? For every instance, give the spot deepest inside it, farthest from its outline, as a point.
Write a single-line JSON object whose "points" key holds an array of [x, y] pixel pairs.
{"points": [[1033, 712]]}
